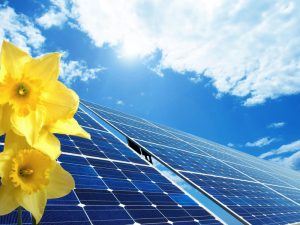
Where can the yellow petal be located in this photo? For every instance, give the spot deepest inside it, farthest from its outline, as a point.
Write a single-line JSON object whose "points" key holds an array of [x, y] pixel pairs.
{"points": [[68, 126], [34, 203], [5, 112], [2, 119], [4, 163], [61, 183], [8, 202], [44, 69], [2, 73], [5, 94], [59, 101], [13, 60], [29, 125], [48, 144], [14, 142]]}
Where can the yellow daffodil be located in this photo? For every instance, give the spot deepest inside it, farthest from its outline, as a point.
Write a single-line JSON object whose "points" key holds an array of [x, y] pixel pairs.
{"points": [[29, 177], [33, 103]]}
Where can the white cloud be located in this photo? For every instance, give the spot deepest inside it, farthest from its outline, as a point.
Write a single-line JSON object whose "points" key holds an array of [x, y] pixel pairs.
{"points": [[230, 145], [157, 70], [107, 98], [292, 161], [287, 148], [120, 102], [261, 142], [51, 18], [72, 70], [276, 125], [171, 176], [18, 29], [56, 15], [176, 179], [247, 48], [21, 31]]}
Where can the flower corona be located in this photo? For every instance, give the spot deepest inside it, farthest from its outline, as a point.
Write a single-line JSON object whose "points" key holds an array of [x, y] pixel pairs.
{"points": [[29, 177], [30, 170]]}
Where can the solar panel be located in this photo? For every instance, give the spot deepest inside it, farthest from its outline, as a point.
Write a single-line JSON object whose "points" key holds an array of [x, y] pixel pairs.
{"points": [[253, 190], [114, 186]]}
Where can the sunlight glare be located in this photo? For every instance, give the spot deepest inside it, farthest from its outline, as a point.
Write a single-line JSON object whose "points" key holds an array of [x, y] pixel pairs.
{"points": [[130, 50]]}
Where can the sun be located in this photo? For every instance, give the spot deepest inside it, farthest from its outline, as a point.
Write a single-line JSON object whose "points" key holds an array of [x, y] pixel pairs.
{"points": [[130, 50], [135, 46]]}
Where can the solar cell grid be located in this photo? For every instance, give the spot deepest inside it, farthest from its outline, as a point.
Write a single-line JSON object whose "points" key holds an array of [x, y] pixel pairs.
{"points": [[111, 111], [114, 186], [243, 159], [133, 180], [82, 118], [119, 119], [242, 183], [127, 188], [185, 161], [227, 154], [222, 155], [260, 175], [206, 147], [141, 134], [292, 193], [289, 179], [251, 200], [258, 169], [200, 143]]}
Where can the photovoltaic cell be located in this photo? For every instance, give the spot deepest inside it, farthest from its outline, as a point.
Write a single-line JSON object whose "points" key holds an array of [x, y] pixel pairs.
{"points": [[114, 186], [253, 201], [254, 190]]}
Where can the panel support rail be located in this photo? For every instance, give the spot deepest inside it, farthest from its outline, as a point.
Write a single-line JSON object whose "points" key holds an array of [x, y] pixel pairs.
{"points": [[139, 150]]}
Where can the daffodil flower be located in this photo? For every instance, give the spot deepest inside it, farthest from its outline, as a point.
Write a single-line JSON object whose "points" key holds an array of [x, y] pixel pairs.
{"points": [[29, 177], [33, 103]]}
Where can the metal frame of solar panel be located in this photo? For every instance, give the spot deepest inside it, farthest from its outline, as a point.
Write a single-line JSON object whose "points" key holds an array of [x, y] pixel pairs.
{"points": [[253, 190], [115, 186]]}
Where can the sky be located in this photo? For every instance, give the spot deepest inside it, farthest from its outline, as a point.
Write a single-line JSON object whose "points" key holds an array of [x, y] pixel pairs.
{"points": [[225, 70]]}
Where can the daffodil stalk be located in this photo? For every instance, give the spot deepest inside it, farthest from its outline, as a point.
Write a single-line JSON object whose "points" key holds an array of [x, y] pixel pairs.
{"points": [[20, 216], [33, 106]]}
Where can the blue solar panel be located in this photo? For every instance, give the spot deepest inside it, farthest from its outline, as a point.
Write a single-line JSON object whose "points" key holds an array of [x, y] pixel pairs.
{"points": [[115, 186], [254, 190], [254, 202]]}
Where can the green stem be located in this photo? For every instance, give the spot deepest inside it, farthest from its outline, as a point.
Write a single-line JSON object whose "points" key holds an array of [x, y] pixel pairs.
{"points": [[20, 216]]}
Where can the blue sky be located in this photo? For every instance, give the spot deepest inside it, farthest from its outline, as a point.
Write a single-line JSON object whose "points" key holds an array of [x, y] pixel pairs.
{"points": [[228, 71]]}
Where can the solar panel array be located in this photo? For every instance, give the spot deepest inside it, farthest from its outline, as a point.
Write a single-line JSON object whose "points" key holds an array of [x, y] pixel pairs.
{"points": [[114, 186], [253, 190]]}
